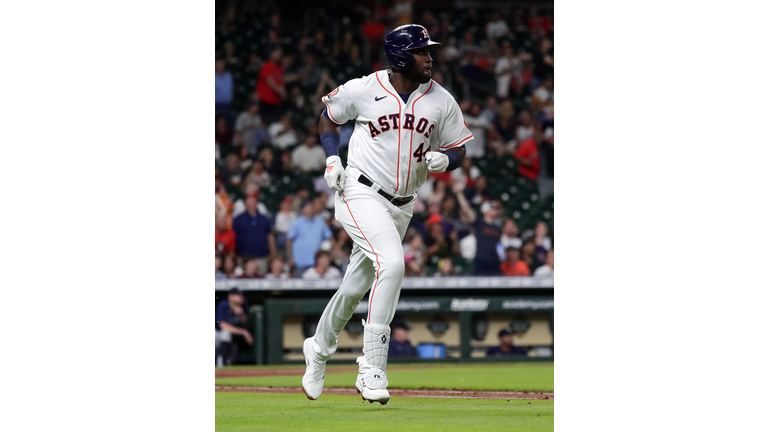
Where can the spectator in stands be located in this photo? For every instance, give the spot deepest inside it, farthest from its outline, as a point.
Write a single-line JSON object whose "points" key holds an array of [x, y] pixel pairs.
{"points": [[297, 103], [509, 234], [543, 63], [225, 88], [488, 234], [399, 343], [548, 269], [220, 275], [310, 74], [513, 265], [373, 31], [478, 125], [508, 67], [322, 268], [225, 236], [301, 197], [449, 213], [468, 45], [304, 238], [231, 174], [538, 25], [528, 254], [283, 220], [231, 317], [490, 110], [545, 94], [277, 268], [309, 156], [321, 207], [250, 269], [320, 48], [285, 160], [341, 249], [290, 72], [270, 87], [230, 58], [540, 234], [239, 207], [519, 24], [438, 243], [258, 175], [249, 129], [343, 47], [223, 202], [282, 134], [229, 266], [412, 267], [273, 166], [253, 231], [437, 194], [525, 129], [445, 268], [254, 65], [465, 176], [505, 346], [496, 27], [504, 127], [273, 43], [527, 157], [478, 194], [224, 135], [245, 159], [414, 245]]}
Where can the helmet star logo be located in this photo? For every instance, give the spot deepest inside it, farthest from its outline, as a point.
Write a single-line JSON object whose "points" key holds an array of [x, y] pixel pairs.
{"points": [[424, 31]]}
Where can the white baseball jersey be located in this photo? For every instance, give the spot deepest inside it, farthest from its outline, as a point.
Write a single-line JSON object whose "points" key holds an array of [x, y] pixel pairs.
{"points": [[391, 136]]}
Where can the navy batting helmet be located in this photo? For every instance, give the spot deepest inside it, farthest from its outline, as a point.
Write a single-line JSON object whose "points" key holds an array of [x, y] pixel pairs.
{"points": [[403, 39]]}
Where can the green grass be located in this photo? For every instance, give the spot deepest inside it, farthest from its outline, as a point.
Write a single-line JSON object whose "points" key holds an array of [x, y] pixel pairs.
{"points": [[488, 376], [293, 412]]}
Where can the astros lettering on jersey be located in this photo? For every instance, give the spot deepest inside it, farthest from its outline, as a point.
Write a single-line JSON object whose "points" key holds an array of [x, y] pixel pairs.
{"points": [[391, 136]]}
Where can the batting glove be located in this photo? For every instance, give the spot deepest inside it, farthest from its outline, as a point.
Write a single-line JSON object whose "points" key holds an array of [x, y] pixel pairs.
{"points": [[334, 173], [436, 161]]}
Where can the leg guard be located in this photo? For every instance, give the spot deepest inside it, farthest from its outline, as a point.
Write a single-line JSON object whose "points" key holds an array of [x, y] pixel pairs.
{"points": [[376, 351]]}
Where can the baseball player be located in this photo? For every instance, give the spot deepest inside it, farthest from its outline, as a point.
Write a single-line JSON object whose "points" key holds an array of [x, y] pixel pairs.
{"points": [[405, 124]]}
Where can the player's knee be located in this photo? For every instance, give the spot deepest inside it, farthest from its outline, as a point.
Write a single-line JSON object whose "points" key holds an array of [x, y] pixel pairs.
{"points": [[394, 265]]}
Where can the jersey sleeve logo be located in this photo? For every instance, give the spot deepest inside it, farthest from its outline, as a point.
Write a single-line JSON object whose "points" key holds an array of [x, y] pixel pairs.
{"points": [[333, 92]]}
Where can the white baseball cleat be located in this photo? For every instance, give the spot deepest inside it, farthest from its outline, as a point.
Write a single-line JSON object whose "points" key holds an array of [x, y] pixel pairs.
{"points": [[314, 377], [371, 382]]}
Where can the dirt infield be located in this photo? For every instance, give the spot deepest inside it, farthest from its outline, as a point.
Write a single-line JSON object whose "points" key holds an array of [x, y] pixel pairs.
{"points": [[468, 394], [239, 373]]}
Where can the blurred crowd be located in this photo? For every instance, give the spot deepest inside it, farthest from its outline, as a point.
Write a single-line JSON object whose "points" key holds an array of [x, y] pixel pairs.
{"points": [[274, 212]]}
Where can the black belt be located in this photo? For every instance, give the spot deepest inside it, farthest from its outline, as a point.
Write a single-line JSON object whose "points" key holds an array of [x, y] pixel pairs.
{"points": [[394, 200]]}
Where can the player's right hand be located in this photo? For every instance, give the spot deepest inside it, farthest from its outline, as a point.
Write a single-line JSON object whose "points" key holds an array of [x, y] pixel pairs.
{"points": [[334, 173]]}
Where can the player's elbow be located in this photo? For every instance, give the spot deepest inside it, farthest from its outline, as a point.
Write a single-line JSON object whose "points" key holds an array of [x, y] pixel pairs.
{"points": [[461, 152], [326, 125]]}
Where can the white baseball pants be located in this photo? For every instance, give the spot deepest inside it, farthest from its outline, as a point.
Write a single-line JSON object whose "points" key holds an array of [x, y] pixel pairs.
{"points": [[377, 264]]}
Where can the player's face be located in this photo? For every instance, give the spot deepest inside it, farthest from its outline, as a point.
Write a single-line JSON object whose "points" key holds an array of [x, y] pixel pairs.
{"points": [[422, 70]]}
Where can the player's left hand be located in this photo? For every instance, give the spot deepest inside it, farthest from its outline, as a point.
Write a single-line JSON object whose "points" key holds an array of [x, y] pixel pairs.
{"points": [[334, 173], [436, 162]]}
